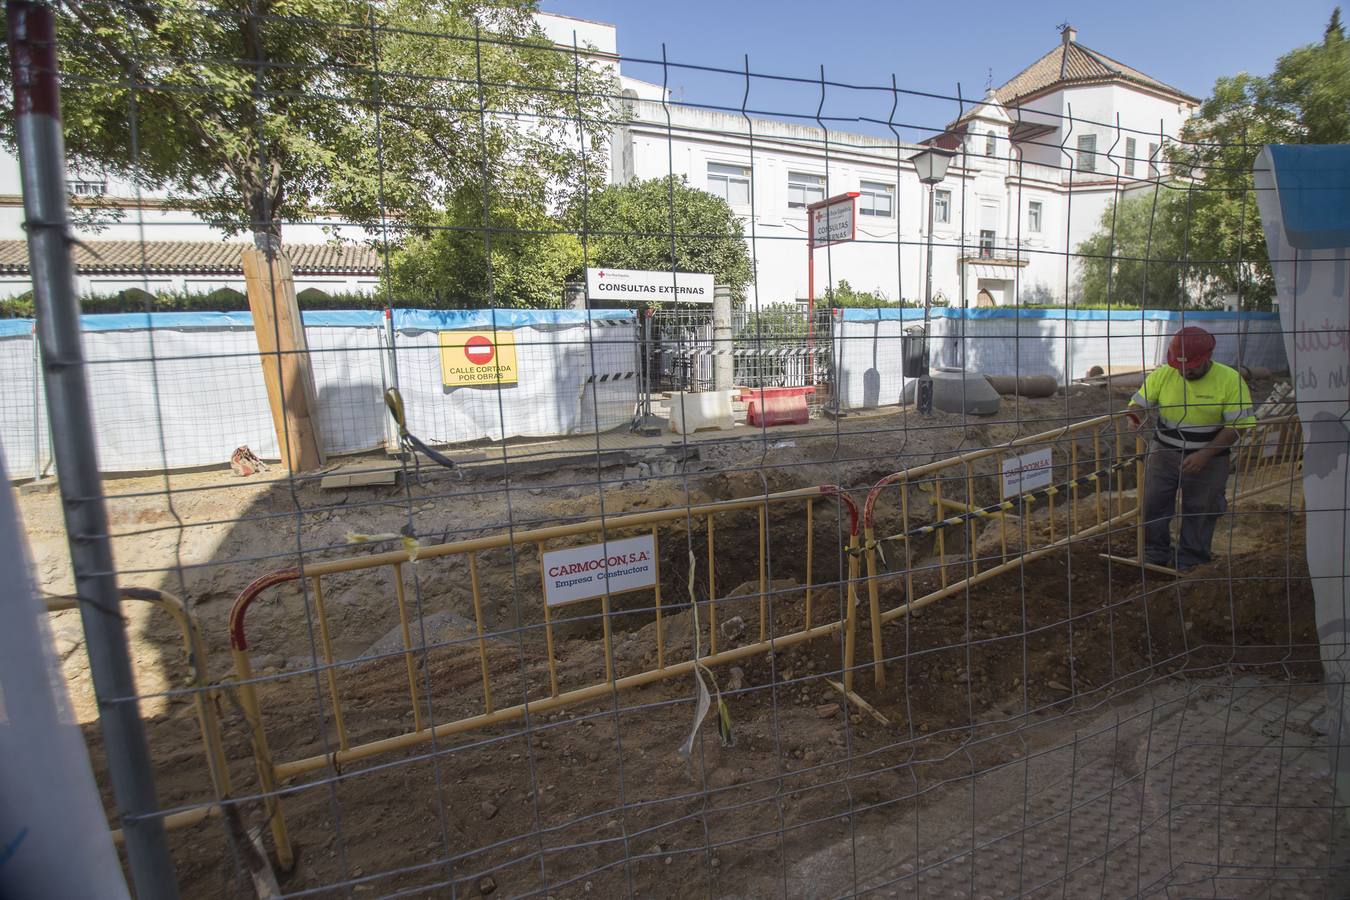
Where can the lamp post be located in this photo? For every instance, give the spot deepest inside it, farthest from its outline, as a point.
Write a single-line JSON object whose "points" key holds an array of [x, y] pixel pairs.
{"points": [[930, 164]]}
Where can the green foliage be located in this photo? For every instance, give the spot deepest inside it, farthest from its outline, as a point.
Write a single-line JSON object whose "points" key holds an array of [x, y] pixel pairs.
{"points": [[843, 296], [528, 262], [1206, 237], [630, 226], [20, 307], [1137, 255], [222, 300], [773, 324], [254, 114], [1306, 100], [1082, 306]]}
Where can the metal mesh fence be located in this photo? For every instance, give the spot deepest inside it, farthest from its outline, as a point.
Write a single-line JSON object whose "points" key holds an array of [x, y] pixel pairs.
{"points": [[491, 585]]}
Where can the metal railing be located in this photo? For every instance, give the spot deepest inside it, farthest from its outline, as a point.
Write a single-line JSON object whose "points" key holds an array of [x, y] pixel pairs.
{"points": [[1087, 479], [273, 771], [1087, 461], [772, 348], [1268, 457], [204, 699], [1078, 482]]}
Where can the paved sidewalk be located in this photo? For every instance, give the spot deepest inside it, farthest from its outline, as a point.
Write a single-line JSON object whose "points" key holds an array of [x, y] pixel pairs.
{"points": [[1188, 789]]}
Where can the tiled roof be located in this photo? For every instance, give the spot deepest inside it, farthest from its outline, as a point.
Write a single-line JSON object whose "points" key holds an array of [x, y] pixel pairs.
{"points": [[195, 258], [1072, 63]]}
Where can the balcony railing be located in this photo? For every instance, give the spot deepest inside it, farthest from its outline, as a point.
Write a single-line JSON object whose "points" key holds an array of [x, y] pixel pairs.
{"points": [[998, 253]]}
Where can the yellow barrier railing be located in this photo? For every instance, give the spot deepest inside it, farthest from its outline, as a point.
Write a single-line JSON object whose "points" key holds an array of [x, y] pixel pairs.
{"points": [[1085, 478], [273, 771], [1082, 468], [1269, 456], [203, 700], [1093, 470]]}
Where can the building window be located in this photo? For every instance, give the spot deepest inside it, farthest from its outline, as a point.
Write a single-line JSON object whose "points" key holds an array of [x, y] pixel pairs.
{"points": [[986, 243], [1034, 210], [989, 143], [804, 189], [1153, 169], [731, 183], [81, 188], [876, 199], [1129, 156], [1087, 153], [942, 207]]}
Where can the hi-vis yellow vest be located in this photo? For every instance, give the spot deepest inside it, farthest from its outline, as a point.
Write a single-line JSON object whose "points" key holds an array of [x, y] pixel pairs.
{"points": [[1192, 413]]}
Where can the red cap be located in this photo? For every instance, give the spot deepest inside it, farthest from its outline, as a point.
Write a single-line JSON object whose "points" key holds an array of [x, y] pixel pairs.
{"points": [[1190, 347]]}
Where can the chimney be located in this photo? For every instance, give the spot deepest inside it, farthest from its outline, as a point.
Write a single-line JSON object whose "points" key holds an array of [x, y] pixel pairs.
{"points": [[1068, 34]]}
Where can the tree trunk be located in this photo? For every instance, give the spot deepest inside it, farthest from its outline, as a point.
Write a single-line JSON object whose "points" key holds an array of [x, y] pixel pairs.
{"points": [[263, 223]]}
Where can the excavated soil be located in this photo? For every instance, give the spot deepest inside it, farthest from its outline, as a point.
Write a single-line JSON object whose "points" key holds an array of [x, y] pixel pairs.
{"points": [[595, 798]]}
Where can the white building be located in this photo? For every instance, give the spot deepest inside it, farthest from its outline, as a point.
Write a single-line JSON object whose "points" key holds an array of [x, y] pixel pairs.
{"points": [[1039, 159]]}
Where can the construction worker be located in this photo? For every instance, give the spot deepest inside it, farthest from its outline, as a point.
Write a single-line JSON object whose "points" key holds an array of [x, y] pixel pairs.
{"points": [[1201, 405]]}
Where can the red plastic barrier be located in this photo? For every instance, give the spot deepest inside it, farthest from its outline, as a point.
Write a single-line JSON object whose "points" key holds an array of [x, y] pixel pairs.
{"points": [[773, 410], [747, 394]]}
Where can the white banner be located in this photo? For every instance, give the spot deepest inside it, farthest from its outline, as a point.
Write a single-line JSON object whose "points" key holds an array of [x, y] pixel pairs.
{"points": [[583, 573], [833, 224], [1304, 199], [654, 287], [1027, 473]]}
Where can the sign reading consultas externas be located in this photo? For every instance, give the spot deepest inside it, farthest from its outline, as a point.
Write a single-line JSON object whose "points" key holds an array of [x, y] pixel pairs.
{"points": [[653, 287]]}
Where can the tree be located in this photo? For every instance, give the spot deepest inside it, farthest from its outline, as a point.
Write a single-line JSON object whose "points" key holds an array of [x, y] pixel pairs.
{"points": [[252, 113], [1136, 257], [1306, 100], [521, 259], [1206, 236], [663, 224]]}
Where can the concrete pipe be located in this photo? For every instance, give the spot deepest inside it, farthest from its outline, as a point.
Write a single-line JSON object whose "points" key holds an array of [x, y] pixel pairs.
{"points": [[1024, 385], [1114, 371]]}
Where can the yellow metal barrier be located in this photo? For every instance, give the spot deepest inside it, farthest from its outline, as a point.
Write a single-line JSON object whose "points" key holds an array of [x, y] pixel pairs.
{"points": [[1269, 456], [1087, 464], [272, 771], [1086, 477], [1096, 467], [203, 700]]}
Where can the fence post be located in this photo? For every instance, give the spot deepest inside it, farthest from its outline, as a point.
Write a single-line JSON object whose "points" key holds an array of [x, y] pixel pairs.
{"points": [[37, 114], [37, 407], [724, 365]]}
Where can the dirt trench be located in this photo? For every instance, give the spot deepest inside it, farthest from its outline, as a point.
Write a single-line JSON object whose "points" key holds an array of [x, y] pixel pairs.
{"points": [[598, 795]]}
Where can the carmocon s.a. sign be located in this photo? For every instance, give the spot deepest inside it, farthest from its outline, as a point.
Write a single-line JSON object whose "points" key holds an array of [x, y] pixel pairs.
{"points": [[582, 573], [653, 287], [478, 357], [1028, 472]]}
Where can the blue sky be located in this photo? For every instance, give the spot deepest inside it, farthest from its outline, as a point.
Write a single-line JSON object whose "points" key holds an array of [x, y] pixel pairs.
{"points": [[931, 46]]}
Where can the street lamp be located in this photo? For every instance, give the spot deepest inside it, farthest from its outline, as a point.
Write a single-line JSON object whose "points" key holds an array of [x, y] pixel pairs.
{"points": [[930, 164]]}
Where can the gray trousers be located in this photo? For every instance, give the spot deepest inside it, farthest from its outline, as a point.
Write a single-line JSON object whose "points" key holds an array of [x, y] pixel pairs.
{"points": [[1202, 502]]}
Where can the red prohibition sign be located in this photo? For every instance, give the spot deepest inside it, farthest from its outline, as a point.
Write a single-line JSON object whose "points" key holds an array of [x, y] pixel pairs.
{"points": [[479, 350]]}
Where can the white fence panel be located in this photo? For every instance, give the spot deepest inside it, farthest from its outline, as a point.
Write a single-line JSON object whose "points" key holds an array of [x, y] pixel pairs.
{"points": [[1064, 344]]}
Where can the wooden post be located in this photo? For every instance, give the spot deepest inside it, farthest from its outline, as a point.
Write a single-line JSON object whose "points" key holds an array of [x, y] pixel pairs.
{"points": [[285, 359]]}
